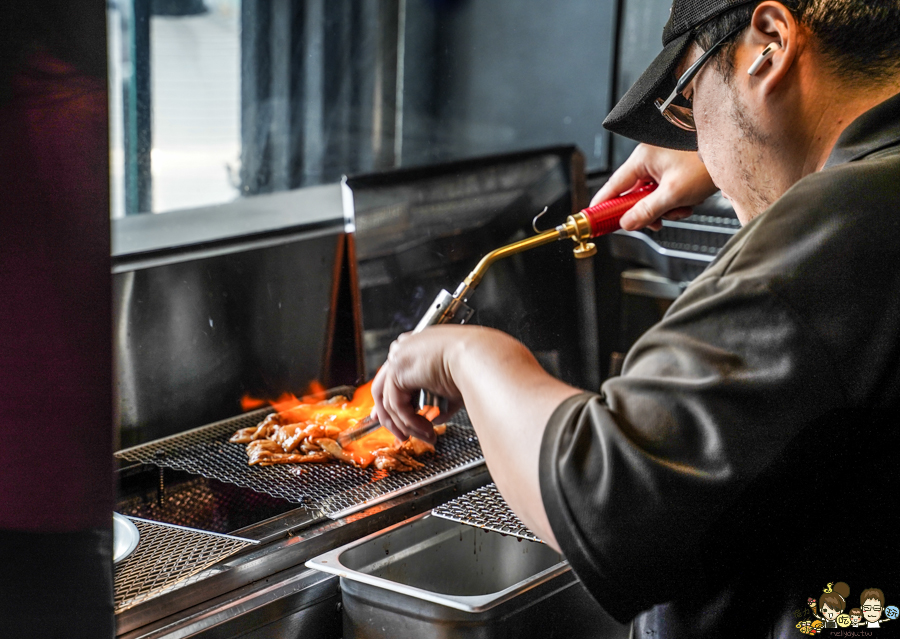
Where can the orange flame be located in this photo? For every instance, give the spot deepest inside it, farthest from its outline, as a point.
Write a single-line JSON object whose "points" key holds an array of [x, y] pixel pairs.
{"points": [[311, 409], [315, 392]]}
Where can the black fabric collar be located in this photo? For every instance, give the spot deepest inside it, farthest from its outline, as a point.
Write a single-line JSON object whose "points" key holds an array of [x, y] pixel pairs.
{"points": [[876, 129]]}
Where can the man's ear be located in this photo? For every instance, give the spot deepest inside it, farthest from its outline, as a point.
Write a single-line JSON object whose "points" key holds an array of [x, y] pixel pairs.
{"points": [[776, 33]]}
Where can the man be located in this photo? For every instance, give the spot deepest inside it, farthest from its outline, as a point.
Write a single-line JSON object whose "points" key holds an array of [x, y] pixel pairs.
{"points": [[680, 493], [872, 602]]}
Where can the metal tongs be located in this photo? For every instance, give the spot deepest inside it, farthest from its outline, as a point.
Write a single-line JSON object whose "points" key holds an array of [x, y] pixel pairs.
{"points": [[448, 308], [430, 405]]}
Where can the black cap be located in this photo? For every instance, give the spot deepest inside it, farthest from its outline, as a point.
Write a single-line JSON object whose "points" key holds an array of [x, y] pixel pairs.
{"points": [[636, 115]]}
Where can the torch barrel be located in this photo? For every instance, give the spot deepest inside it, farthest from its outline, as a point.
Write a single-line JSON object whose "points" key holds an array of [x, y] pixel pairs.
{"points": [[604, 217]]}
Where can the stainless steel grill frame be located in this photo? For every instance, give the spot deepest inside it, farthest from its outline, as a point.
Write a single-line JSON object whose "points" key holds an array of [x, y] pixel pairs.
{"points": [[165, 558], [681, 249], [334, 490], [485, 508]]}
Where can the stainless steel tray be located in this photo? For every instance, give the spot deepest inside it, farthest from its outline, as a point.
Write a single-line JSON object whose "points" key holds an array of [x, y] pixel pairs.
{"points": [[430, 578], [445, 563]]}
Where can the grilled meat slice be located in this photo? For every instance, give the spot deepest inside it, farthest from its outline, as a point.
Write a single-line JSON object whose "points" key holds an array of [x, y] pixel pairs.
{"points": [[278, 439], [334, 449]]}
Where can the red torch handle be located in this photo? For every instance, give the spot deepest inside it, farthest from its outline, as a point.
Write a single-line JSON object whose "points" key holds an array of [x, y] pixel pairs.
{"points": [[604, 217]]}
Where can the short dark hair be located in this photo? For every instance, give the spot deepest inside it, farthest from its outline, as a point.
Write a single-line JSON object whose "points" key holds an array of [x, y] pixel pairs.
{"points": [[871, 593], [860, 38]]}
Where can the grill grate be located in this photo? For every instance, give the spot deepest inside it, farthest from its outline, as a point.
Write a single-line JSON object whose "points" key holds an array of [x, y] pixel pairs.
{"points": [[334, 489], [485, 508], [165, 558], [204, 503]]}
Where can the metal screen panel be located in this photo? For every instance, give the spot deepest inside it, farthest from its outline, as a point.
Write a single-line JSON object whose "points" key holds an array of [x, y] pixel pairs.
{"points": [[485, 508], [165, 558]]}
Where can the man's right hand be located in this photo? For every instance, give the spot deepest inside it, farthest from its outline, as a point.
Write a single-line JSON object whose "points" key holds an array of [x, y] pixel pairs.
{"points": [[683, 183]]}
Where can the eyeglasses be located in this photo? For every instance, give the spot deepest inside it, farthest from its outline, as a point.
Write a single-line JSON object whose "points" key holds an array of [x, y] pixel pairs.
{"points": [[872, 608], [683, 116]]}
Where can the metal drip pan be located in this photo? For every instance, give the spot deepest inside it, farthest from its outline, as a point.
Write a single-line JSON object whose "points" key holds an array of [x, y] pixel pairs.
{"points": [[334, 489], [429, 577], [485, 508]]}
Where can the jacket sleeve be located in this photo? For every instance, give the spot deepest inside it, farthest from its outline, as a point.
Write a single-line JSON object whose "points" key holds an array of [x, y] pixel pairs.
{"points": [[633, 478]]}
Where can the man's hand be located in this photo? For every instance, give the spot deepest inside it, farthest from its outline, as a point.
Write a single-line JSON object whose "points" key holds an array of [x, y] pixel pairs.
{"points": [[683, 182], [507, 394], [415, 362]]}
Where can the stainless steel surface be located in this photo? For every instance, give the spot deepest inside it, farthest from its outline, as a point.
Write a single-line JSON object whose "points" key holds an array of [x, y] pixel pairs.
{"points": [[432, 578], [297, 602], [125, 537], [335, 490], [446, 563], [649, 283], [166, 557], [289, 540], [145, 236], [681, 250], [485, 508], [193, 337]]}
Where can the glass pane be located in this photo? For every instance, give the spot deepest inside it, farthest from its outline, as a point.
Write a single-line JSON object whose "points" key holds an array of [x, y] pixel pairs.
{"points": [[228, 98], [175, 103], [195, 86]]}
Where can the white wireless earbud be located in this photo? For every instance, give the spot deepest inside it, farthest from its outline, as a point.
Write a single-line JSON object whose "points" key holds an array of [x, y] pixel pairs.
{"points": [[765, 55]]}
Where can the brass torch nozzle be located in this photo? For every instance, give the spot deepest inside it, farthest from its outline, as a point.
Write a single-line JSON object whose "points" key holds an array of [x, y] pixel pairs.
{"points": [[474, 278], [578, 227], [593, 221]]}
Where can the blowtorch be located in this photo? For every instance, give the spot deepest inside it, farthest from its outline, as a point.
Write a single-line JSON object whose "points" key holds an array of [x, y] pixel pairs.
{"points": [[447, 308]]}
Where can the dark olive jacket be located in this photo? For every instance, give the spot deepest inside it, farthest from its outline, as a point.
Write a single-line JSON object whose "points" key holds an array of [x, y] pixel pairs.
{"points": [[749, 454]]}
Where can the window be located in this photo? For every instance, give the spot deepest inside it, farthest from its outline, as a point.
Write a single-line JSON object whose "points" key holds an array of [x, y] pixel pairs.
{"points": [[218, 99]]}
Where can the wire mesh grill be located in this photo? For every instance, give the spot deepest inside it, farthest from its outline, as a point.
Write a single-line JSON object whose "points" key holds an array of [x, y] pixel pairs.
{"points": [[204, 503], [485, 508], [333, 489], [165, 558]]}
